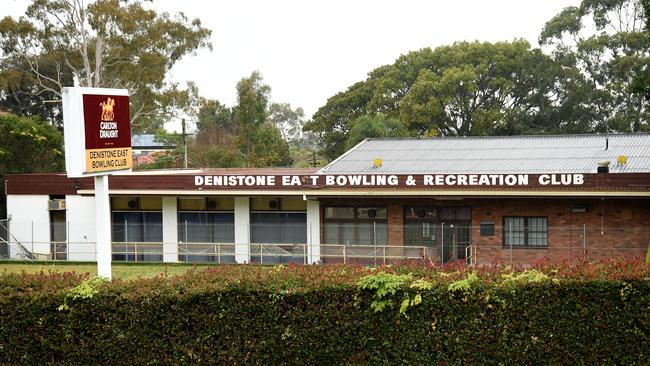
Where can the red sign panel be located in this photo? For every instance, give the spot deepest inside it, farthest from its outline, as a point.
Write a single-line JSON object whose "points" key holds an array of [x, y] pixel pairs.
{"points": [[107, 126]]}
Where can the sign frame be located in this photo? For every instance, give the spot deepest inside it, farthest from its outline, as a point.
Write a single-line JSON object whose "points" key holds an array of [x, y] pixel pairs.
{"points": [[74, 125], [112, 115]]}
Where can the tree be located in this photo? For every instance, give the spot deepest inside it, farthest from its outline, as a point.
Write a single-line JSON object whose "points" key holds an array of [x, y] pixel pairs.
{"points": [[215, 124], [374, 126], [641, 82], [107, 43], [468, 88], [607, 40], [251, 110], [28, 145], [260, 141], [290, 122]]}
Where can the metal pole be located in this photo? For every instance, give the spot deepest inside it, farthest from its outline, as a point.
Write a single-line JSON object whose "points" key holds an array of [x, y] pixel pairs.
{"points": [[511, 240], [103, 222], [126, 239], [442, 243], [184, 144], [261, 255], [32, 238], [584, 241], [186, 248], [374, 239]]}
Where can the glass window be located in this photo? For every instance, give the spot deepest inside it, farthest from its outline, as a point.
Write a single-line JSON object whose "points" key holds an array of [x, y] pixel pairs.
{"points": [[201, 235], [279, 227], [537, 231], [525, 231], [514, 228], [355, 225], [137, 235]]}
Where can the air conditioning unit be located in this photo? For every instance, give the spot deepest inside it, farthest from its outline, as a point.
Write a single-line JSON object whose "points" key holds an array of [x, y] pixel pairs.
{"points": [[56, 205], [274, 204]]}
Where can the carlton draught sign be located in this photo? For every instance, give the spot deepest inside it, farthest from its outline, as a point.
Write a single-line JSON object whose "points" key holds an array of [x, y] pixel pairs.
{"points": [[97, 131]]}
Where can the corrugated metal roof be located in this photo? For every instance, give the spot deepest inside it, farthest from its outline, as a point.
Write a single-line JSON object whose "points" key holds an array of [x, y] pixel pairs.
{"points": [[146, 140], [497, 154]]}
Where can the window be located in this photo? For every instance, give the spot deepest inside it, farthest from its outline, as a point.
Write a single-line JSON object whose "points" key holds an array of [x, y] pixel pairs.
{"points": [[355, 225], [525, 231], [206, 229], [137, 228], [279, 227]]}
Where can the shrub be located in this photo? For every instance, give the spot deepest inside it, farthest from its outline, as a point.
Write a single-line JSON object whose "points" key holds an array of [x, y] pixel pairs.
{"points": [[581, 314]]}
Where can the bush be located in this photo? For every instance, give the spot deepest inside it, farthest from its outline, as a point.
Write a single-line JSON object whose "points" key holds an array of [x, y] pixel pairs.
{"points": [[581, 314]]}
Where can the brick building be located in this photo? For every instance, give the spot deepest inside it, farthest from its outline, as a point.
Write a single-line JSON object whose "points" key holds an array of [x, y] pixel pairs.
{"points": [[511, 199]]}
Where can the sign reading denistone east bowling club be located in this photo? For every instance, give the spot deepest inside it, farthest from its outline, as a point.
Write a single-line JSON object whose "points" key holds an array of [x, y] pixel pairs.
{"points": [[97, 131], [107, 132]]}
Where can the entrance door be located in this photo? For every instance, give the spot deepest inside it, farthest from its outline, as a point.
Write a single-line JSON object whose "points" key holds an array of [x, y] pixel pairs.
{"points": [[58, 235], [444, 231]]}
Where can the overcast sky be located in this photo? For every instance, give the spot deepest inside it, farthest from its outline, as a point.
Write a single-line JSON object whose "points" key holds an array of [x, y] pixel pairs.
{"points": [[308, 51]]}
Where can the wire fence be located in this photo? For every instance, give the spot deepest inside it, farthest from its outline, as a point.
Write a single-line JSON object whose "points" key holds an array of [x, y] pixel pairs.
{"points": [[513, 242]]}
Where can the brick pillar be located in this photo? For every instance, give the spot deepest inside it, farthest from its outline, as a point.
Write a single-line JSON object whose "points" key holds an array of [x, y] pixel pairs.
{"points": [[395, 225]]}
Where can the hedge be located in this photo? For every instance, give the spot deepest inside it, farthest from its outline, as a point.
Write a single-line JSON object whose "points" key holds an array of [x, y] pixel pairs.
{"points": [[580, 314]]}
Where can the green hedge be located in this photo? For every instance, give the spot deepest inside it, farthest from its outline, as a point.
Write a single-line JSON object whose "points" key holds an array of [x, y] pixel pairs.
{"points": [[321, 315]]}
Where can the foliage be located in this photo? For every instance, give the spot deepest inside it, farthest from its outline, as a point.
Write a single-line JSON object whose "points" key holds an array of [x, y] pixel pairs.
{"points": [[106, 43], [374, 126], [308, 315], [85, 290], [29, 145], [607, 41], [384, 287], [468, 88]]}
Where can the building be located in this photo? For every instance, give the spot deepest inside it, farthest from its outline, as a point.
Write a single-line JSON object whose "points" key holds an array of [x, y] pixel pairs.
{"points": [[146, 147], [515, 199]]}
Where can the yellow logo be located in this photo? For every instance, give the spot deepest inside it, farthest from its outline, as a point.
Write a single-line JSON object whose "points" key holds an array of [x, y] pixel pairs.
{"points": [[107, 109]]}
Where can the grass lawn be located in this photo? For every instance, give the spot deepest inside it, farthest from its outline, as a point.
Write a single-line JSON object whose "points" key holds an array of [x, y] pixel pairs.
{"points": [[120, 270]]}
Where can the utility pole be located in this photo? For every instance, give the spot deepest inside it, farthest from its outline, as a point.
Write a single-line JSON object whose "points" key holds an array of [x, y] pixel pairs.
{"points": [[184, 144]]}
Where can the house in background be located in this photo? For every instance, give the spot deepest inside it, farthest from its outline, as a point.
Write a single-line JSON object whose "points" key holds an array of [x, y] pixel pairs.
{"points": [[145, 147]]}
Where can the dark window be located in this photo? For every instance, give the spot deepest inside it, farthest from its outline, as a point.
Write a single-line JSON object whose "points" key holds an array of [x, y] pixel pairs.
{"points": [[137, 236], [202, 235], [355, 225], [487, 229], [525, 231], [279, 227]]}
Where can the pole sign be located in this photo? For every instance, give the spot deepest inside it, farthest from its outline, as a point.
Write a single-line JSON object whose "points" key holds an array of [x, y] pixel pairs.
{"points": [[97, 131]]}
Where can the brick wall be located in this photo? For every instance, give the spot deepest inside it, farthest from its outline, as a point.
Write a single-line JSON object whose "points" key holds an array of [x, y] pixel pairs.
{"points": [[613, 227]]}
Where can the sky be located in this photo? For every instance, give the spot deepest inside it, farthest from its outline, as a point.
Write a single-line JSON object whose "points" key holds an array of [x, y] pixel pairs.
{"points": [[307, 51]]}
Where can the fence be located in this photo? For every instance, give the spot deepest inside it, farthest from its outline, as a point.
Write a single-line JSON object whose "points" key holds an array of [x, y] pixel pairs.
{"points": [[513, 242]]}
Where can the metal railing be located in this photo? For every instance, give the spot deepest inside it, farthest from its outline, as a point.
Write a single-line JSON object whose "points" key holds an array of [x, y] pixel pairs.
{"points": [[434, 243]]}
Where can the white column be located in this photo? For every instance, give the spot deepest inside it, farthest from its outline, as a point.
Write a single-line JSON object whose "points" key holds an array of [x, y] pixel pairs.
{"points": [[313, 231], [103, 224], [242, 229], [170, 229]]}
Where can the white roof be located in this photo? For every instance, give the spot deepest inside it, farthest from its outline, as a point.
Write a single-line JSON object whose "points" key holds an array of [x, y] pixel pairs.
{"points": [[497, 155]]}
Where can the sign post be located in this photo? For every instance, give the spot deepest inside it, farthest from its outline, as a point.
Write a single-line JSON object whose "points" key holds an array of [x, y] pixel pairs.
{"points": [[97, 131]]}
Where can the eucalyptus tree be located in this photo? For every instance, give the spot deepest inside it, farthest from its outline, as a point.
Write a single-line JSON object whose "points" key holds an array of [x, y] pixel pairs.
{"points": [[105, 43]]}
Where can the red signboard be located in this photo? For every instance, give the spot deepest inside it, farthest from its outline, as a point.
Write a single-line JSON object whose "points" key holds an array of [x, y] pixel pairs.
{"points": [[107, 129]]}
